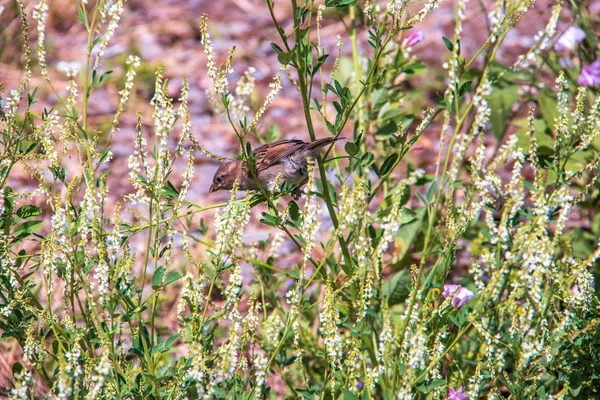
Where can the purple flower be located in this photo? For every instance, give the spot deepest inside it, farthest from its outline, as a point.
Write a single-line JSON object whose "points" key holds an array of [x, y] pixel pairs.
{"points": [[590, 75], [456, 394], [569, 39], [460, 295], [414, 38]]}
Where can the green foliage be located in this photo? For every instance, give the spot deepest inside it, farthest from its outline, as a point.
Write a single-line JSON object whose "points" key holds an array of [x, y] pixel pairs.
{"points": [[366, 310]]}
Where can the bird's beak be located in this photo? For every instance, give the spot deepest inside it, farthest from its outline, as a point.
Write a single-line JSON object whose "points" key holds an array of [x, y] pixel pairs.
{"points": [[214, 187]]}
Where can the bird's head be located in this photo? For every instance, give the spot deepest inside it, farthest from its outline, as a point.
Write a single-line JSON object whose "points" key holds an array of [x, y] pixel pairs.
{"points": [[225, 176]]}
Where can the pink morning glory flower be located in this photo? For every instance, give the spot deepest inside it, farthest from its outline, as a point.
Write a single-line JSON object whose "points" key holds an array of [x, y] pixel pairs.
{"points": [[569, 39], [590, 75], [456, 394], [414, 38], [460, 295]]}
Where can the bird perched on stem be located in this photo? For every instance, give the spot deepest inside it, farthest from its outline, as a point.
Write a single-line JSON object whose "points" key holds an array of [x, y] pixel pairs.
{"points": [[286, 159]]}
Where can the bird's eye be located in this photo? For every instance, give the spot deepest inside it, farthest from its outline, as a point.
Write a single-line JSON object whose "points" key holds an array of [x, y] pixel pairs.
{"points": [[219, 179]]}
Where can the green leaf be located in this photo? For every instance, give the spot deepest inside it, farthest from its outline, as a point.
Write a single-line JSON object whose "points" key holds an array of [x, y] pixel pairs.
{"points": [[172, 277], [28, 211], [389, 164], [59, 173], [448, 43], [420, 197], [407, 215], [27, 227], [170, 341], [82, 15], [367, 159], [501, 101], [431, 191], [548, 105], [464, 88], [428, 388], [320, 62], [294, 212], [104, 155], [276, 48], [339, 3], [351, 148], [104, 76], [305, 393], [285, 58], [348, 395], [397, 287], [31, 97], [268, 219], [157, 277]]}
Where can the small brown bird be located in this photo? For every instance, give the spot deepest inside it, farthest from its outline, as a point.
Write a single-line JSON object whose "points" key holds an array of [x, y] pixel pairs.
{"points": [[285, 158]]}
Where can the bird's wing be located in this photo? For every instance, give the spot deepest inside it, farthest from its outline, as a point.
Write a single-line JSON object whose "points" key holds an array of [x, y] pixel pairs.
{"points": [[272, 153]]}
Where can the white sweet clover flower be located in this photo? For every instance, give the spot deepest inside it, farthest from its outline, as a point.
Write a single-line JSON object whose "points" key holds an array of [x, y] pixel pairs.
{"points": [[310, 224], [230, 224], [427, 8], [23, 380], [11, 103], [240, 101], [260, 364], [114, 15], [352, 202], [102, 371], [46, 133], [132, 63], [328, 322], [218, 76], [40, 13], [136, 162], [232, 292], [275, 88], [273, 329]]}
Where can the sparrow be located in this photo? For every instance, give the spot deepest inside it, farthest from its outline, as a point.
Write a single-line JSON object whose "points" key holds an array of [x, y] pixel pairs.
{"points": [[285, 158]]}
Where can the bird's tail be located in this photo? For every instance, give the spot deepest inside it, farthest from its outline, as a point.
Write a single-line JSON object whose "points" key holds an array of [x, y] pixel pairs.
{"points": [[317, 144]]}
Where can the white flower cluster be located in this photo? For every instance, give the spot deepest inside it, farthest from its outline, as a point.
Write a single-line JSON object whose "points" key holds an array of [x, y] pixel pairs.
{"points": [[133, 62], [114, 13], [273, 329], [71, 73], [102, 372], [260, 364], [40, 12], [46, 133], [233, 290], [396, 8], [136, 161], [352, 202], [276, 243], [546, 35], [240, 101], [11, 103], [218, 76], [229, 226], [427, 8], [164, 117], [32, 348], [310, 223], [593, 127], [496, 19], [23, 380], [391, 223], [102, 277], [328, 322], [275, 88]]}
